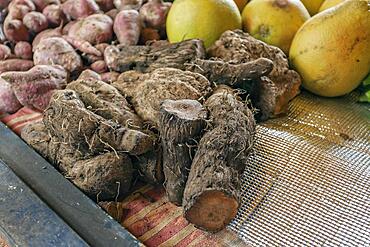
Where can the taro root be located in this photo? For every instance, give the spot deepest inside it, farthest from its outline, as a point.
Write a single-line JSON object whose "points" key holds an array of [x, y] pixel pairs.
{"points": [[149, 166], [106, 101], [181, 123], [212, 192], [147, 91], [71, 122], [240, 47]]}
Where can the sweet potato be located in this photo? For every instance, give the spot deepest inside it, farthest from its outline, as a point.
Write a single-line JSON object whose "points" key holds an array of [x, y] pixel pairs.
{"points": [[95, 29], [128, 4], [82, 45], [35, 86], [57, 51], [54, 14], [23, 50], [35, 21], [4, 3], [89, 74], [76, 9], [101, 47], [149, 34], [127, 27], [5, 52], [67, 27], [8, 101], [15, 30], [17, 12], [48, 33], [15, 65], [112, 13], [99, 66], [42, 4], [154, 13], [105, 5], [28, 3]]}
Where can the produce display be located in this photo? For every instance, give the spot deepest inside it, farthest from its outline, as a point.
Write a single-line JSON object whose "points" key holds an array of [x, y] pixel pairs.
{"points": [[170, 93]]}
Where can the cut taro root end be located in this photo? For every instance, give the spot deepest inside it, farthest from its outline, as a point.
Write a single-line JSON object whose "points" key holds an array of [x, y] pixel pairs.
{"points": [[212, 211]]}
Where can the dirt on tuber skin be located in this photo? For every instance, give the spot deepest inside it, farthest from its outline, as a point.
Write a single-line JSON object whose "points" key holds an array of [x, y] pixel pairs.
{"points": [[128, 4], [8, 101], [15, 65], [106, 101], [95, 29], [127, 26], [149, 34], [42, 4], [48, 33], [110, 77], [181, 125], [35, 22], [149, 166], [99, 66], [147, 91], [82, 45], [212, 193], [104, 175], [57, 51], [23, 50], [70, 121], [240, 47], [34, 87], [105, 5], [15, 30]]}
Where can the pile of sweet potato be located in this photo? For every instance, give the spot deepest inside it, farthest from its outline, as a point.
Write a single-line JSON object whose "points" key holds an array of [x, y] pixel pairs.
{"points": [[72, 34]]}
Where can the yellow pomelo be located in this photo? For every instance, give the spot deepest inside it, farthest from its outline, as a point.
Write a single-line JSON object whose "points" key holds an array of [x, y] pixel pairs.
{"points": [[331, 50], [330, 3], [241, 4], [274, 21], [312, 6], [201, 19]]}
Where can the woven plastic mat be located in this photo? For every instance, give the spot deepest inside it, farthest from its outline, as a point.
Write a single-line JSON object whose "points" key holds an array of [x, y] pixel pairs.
{"points": [[308, 181]]}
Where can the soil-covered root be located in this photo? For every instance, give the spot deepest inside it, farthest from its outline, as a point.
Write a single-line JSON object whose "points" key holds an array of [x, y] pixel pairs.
{"points": [[219, 72], [105, 176], [106, 101], [212, 192], [149, 166], [122, 58], [181, 124], [35, 86], [239, 47], [37, 137], [147, 91], [68, 119]]}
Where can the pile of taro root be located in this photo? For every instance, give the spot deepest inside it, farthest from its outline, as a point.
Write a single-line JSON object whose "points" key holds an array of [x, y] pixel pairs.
{"points": [[175, 115]]}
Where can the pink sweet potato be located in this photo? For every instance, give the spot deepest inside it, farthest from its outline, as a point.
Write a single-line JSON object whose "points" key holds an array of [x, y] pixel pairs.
{"points": [[8, 102], [35, 21], [29, 3], [18, 11], [154, 13], [15, 65], [5, 52], [23, 50], [112, 13], [15, 30], [67, 27], [42, 4], [35, 86], [54, 15], [57, 51], [101, 47], [82, 45], [99, 66], [127, 27], [149, 34], [95, 29], [128, 4], [105, 5], [48, 33], [76, 9]]}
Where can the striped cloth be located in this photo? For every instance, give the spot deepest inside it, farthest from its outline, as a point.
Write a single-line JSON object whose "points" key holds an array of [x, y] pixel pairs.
{"points": [[146, 213]]}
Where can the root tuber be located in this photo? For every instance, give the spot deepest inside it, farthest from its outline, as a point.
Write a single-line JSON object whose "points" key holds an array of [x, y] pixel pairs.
{"points": [[181, 123], [23, 50], [8, 101], [212, 192], [15, 65], [127, 27], [35, 22], [54, 14]]}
